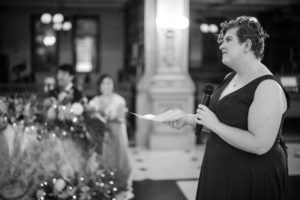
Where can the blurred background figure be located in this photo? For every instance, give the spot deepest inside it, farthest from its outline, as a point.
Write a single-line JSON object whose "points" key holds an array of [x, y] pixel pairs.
{"points": [[66, 89], [49, 84], [115, 150]]}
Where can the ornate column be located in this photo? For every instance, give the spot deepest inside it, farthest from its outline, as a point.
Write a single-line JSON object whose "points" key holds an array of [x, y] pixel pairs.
{"points": [[166, 83]]}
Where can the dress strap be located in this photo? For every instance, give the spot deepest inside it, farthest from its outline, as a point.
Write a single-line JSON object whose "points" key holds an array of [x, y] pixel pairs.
{"points": [[227, 79]]}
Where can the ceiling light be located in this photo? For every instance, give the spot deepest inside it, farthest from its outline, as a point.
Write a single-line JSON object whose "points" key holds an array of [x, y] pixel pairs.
{"points": [[46, 18], [58, 18]]}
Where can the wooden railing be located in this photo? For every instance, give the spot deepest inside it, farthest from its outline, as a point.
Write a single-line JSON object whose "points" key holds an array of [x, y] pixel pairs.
{"points": [[19, 88]]}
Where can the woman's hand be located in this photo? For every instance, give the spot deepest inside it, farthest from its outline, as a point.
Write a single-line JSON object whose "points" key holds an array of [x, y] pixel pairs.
{"points": [[176, 118], [178, 124], [206, 117], [111, 113]]}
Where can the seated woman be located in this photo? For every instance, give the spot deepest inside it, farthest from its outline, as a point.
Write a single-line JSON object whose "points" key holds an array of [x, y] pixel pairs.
{"points": [[115, 147]]}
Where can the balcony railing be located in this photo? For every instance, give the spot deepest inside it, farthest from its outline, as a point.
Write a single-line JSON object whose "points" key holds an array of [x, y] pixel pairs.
{"points": [[20, 88]]}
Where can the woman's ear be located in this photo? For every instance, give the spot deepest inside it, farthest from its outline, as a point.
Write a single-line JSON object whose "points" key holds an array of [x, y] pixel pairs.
{"points": [[248, 45]]}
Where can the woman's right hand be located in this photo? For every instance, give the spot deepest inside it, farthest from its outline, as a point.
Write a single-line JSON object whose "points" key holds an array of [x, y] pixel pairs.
{"points": [[176, 118], [178, 124]]}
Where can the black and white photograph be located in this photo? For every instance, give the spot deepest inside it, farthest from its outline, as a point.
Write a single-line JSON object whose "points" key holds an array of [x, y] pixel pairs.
{"points": [[150, 100]]}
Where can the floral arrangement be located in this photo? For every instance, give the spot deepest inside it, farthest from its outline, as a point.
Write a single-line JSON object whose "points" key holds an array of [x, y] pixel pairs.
{"points": [[99, 186], [55, 150], [18, 109], [63, 120], [49, 116]]}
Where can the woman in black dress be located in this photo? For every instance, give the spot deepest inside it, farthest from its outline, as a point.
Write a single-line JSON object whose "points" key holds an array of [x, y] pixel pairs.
{"points": [[245, 158]]}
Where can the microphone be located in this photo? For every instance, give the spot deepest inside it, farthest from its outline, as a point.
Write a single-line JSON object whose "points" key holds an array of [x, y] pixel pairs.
{"points": [[207, 91]]}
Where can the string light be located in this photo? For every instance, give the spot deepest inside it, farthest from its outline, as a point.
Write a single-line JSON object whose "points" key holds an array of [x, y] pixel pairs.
{"points": [[105, 190]]}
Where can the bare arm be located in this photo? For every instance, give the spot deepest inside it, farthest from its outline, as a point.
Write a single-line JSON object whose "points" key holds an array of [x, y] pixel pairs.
{"points": [[264, 119], [189, 119]]}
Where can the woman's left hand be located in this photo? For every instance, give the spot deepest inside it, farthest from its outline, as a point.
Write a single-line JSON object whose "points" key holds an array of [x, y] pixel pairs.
{"points": [[206, 117]]}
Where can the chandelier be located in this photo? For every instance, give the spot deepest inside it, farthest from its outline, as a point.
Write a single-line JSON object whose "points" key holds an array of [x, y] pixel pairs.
{"points": [[57, 20]]}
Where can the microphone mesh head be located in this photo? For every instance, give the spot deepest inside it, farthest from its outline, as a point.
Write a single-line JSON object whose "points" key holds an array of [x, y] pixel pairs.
{"points": [[208, 89]]}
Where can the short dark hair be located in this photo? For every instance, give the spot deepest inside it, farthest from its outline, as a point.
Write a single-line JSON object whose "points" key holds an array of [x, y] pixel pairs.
{"points": [[248, 28], [67, 68], [101, 78]]}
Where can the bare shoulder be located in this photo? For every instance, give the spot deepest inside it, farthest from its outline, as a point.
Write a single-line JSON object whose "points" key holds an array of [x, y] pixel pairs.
{"points": [[119, 98], [269, 86], [95, 98], [270, 92]]}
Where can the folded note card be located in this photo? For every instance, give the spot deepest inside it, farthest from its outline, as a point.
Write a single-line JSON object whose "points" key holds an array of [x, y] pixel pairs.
{"points": [[169, 115]]}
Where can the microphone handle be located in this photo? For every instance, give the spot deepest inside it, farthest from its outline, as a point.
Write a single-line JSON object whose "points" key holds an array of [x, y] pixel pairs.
{"points": [[205, 101], [198, 129]]}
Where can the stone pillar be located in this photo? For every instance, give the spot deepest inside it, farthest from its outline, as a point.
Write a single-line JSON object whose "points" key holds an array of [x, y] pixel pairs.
{"points": [[166, 82]]}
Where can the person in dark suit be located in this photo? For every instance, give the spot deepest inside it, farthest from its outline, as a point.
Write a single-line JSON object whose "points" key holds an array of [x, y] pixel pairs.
{"points": [[66, 89]]}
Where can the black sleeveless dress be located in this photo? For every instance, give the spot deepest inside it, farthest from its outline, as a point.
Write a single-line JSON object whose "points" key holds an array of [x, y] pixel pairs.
{"points": [[228, 173]]}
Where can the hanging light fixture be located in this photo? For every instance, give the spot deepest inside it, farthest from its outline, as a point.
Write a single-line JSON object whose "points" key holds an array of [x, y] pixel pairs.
{"points": [[46, 18], [204, 28], [208, 28], [49, 40], [213, 28], [57, 21], [57, 26], [58, 18], [66, 26]]}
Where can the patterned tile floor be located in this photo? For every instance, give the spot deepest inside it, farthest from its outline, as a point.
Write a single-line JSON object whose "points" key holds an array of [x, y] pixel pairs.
{"points": [[183, 166]]}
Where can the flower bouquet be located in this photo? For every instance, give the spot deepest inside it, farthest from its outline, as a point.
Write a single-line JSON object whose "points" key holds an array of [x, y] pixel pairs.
{"points": [[47, 139]]}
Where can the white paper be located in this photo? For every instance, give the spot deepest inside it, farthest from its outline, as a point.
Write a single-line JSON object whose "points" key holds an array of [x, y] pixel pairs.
{"points": [[169, 115], [150, 117]]}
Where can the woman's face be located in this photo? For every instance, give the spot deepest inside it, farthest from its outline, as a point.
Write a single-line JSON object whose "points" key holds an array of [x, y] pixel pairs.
{"points": [[106, 86], [231, 48]]}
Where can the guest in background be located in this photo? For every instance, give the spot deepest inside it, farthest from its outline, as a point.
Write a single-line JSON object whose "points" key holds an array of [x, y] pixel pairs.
{"points": [[66, 89], [245, 157], [115, 150], [49, 84]]}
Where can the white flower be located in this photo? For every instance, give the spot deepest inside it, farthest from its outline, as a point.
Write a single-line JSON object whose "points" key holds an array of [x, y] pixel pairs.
{"points": [[51, 113], [77, 108], [62, 96], [40, 194], [60, 185]]}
